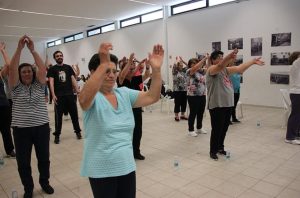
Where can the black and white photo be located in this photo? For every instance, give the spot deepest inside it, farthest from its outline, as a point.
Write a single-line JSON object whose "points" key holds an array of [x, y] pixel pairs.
{"points": [[216, 46], [280, 58], [256, 46], [281, 39], [280, 78], [235, 43]]}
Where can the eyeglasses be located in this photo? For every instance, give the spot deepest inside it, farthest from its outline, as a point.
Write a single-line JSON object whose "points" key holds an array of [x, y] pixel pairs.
{"points": [[108, 71]]}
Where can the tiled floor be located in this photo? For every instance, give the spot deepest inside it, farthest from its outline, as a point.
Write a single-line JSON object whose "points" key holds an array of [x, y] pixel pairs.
{"points": [[261, 164]]}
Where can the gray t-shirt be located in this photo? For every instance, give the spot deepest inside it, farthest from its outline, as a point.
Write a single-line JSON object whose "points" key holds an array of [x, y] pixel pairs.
{"points": [[219, 90]]}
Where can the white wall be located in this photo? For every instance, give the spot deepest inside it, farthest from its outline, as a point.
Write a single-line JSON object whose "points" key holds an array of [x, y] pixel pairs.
{"points": [[193, 32], [138, 39], [11, 47]]}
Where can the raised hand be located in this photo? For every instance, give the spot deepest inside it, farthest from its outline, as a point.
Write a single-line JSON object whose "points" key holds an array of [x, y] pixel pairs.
{"points": [[2, 46], [22, 42], [259, 62], [156, 57], [103, 52], [29, 43]]}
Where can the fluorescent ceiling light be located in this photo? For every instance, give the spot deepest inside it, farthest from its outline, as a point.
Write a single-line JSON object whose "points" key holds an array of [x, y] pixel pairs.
{"points": [[48, 14], [142, 2], [37, 28], [217, 2], [10, 35]]}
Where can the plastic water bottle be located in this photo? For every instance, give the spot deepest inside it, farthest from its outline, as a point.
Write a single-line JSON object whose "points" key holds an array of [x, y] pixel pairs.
{"points": [[14, 194], [176, 163], [1, 161], [258, 124], [227, 155]]}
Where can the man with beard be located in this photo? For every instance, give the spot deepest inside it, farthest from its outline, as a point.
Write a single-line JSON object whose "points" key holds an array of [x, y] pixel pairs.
{"points": [[62, 81]]}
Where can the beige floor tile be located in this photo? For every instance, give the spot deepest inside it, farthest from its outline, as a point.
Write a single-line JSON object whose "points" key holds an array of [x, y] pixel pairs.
{"points": [[253, 194], [260, 160], [268, 188]]}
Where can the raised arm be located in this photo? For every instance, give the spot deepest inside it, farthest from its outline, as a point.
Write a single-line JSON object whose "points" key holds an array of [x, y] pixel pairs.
{"points": [[94, 83], [215, 69], [244, 66], [153, 94], [42, 70], [124, 71], [198, 66], [146, 63], [4, 53], [13, 68], [76, 70], [185, 63]]}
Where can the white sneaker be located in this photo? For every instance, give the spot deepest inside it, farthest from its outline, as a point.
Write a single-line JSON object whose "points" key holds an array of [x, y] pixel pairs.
{"points": [[201, 131], [293, 142], [192, 133]]}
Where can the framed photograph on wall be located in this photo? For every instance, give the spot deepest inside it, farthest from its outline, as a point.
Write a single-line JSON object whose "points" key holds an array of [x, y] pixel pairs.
{"points": [[280, 78], [280, 58], [281, 39], [216, 46], [256, 46], [200, 56], [235, 43]]}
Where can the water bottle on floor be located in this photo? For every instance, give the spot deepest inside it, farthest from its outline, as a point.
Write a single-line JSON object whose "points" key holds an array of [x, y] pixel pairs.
{"points": [[227, 155], [14, 194], [258, 124], [2, 163], [176, 162]]}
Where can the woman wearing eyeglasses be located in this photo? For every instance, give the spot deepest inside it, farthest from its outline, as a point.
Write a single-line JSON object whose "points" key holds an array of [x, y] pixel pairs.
{"points": [[108, 158]]}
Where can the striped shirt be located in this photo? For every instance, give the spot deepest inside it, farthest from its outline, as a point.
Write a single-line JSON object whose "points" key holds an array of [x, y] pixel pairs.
{"points": [[29, 107]]}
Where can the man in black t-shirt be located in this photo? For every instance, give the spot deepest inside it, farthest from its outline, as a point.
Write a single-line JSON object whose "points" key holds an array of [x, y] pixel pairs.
{"points": [[131, 77], [62, 82]]}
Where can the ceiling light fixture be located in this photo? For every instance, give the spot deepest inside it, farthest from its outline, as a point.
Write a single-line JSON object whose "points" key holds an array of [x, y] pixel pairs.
{"points": [[11, 35], [143, 2], [38, 28], [48, 14]]}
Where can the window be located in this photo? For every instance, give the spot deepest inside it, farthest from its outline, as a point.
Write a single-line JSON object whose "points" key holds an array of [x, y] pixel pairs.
{"points": [[152, 16], [74, 37], [217, 2], [188, 6], [69, 39], [108, 28], [54, 43], [51, 44], [130, 21], [78, 36], [93, 32], [58, 42]]}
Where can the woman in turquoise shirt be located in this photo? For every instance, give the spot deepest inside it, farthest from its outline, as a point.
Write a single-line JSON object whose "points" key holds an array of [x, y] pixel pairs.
{"points": [[236, 83], [108, 120]]}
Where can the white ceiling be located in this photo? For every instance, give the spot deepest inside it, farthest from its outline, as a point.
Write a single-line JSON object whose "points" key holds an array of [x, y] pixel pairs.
{"points": [[40, 27]]}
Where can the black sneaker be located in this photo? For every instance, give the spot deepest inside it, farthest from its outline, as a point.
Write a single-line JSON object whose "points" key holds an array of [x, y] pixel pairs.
{"points": [[12, 154], [78, 135], [139, 156], [28, 194], [236, 120], [214, 156], [47, 188], [56, 140], [222, 152]]}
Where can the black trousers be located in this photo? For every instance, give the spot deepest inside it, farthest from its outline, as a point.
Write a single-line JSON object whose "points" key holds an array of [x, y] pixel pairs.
{"points": [[293, 126], [66, 103], [114, 187], [197, 107], [25, 138], [219, 118], [137, 132], [50, 94], [236, 99], [180, 99], [5, 120]]}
